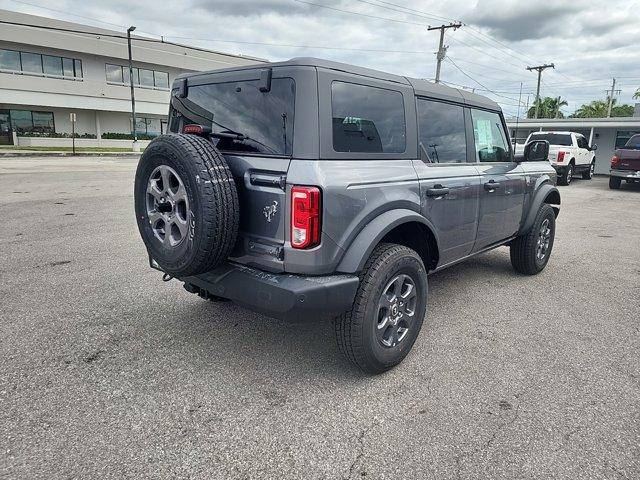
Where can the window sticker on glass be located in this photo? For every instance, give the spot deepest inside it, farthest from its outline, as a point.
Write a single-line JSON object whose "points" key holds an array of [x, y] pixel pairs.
{"points": [[485, 138]]}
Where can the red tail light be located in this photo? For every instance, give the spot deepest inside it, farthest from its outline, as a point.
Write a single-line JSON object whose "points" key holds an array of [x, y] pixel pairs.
{"points": [[560, 157], [195, 129], [305, 217], [615, 161]]}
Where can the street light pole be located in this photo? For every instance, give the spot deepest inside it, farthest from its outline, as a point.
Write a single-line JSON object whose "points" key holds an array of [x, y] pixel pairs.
{"points": [[133, 97]]}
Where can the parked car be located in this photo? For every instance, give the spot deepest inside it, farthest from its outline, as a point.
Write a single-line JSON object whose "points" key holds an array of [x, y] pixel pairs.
{"points": [[569, 153], [625, 163], [313, 189]]}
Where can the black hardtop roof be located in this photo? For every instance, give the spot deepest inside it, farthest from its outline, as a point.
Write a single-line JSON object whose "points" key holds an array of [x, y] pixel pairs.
{"points": [[420, 86]]}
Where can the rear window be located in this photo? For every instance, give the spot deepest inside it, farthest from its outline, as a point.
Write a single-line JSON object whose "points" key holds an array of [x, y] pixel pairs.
{"points": [[553, 138], [264, 118], [367, 119], [633, 142]]}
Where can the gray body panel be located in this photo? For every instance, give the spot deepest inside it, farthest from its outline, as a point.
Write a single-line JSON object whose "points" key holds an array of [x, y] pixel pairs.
{"points": [[367, 195]]}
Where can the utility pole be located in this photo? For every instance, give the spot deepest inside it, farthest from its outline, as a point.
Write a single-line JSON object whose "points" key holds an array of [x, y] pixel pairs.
{"points": [[611, 93], [442, 50], [133, 97], [539, 69]]}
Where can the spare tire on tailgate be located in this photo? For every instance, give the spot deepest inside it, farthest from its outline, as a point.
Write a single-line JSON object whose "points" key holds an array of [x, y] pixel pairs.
{"points": [[186, 204]]}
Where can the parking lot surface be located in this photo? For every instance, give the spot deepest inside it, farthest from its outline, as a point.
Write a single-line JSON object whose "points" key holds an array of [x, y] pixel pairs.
{"points": [[108, 372]]}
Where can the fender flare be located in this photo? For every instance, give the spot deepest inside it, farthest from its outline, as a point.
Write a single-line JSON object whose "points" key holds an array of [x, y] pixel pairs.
{"points": [[363, 244], [547, 193]]}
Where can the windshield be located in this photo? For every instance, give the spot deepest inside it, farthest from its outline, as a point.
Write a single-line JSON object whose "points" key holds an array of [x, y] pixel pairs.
{"points": [[264, 119], [633, 142], [553, 138]]}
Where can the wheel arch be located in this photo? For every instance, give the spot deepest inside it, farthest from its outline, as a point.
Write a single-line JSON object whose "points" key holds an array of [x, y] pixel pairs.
{"points": [[546, 193], [404, 227]]}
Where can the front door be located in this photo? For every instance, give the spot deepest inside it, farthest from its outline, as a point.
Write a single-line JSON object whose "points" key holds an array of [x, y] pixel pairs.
{"points": [[6, 138], [502, 180], [449, 184]]}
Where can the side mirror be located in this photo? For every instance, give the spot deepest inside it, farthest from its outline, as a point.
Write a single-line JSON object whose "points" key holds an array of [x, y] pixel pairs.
{"points": [[593, 147], [536, 151]]}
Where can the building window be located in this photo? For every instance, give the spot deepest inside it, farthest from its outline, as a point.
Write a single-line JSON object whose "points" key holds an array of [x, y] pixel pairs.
{"points": [[119, 74], [146, 77], [114, 73], [10, 60], [52, 65], [26, 121], [147, 126], [622, 136], [31, 62], [37, 64]]}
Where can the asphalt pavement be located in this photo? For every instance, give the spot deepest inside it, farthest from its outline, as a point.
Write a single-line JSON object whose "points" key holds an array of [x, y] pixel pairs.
{"points": [[108, 372]]}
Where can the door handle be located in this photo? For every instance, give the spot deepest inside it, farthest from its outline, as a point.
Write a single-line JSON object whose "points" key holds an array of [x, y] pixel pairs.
{"points": [[437, 191], [491, 186]]}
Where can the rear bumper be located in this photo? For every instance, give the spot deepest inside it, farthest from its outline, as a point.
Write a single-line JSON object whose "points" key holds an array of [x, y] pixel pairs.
{"points": [[626, 174], [278, 295]]}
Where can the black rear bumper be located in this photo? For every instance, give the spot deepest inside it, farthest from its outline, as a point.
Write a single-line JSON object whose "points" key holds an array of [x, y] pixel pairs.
{"points": [[279, 295]]}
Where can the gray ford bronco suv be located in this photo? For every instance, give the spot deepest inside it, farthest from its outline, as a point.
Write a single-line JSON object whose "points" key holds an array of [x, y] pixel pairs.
{"points": [[314, 189]]}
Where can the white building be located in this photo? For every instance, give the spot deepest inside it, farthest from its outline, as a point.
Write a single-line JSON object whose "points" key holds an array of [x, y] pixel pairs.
{"points": [[50, 68], [607, 133]]}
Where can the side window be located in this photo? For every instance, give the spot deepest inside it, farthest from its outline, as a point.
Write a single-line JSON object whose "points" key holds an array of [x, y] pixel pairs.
{"points": [[582, 142], [367, 119], [490, 137], [441, 131]]}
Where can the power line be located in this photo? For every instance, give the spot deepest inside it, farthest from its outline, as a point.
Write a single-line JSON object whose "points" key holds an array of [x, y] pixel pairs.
{"points": [[359, 13]]}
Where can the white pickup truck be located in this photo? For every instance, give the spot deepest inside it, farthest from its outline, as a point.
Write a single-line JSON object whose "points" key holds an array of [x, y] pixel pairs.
{"points": [[569, 153]]}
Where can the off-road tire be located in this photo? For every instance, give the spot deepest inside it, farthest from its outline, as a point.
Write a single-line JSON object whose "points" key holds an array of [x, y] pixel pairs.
{"points": [[214, 211], [355, 329], [614, 183], [588, 174], [524, 248], [567, 176]]}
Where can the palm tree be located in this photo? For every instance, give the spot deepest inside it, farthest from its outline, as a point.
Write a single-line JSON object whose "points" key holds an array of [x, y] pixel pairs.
{"points": [[637, 94], [599, 108], [549, 107]]}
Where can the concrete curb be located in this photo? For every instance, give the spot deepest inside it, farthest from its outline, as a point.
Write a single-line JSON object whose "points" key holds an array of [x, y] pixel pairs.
{"points": [[39, 153]]}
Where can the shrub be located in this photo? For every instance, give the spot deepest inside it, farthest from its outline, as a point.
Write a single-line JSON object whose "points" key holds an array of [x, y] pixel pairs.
{"points": [[55, 135], [126, 136]]}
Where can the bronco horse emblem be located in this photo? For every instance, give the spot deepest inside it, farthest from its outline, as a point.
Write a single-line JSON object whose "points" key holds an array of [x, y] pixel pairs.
{"points": [[270, 210]]}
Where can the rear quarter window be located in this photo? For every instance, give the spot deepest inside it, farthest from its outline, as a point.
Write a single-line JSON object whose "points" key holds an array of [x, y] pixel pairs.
{"points": [[367, 119]]}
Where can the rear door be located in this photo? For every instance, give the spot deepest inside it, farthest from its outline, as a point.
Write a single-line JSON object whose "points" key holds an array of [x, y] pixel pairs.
{"points": [[449, 184], [240, 102], [502, 179]]}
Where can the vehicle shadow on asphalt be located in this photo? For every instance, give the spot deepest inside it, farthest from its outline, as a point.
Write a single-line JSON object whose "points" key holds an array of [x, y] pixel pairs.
{"points": [[233, 334]]}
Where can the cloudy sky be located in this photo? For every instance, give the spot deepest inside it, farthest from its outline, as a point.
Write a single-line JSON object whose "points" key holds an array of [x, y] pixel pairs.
{"points": [[590, 41]]}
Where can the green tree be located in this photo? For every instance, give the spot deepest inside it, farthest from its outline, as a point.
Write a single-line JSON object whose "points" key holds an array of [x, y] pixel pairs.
{"points": [[637, 94], [549, 108], [598, 109]]}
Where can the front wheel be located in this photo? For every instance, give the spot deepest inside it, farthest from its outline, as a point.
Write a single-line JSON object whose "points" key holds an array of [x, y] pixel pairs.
{"points": [[530, 252], [387, 313], [614, 183], [588, 174]]}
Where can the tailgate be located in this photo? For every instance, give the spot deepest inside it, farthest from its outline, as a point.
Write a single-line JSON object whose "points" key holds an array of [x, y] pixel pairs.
{"points": [[261, 185], [629, 159]]}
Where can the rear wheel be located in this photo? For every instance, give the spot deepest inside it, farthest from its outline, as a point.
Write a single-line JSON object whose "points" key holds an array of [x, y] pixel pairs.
{"points": [[387, 314], [614, 183], [567, 176], [530, 252], [588, 174]]}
